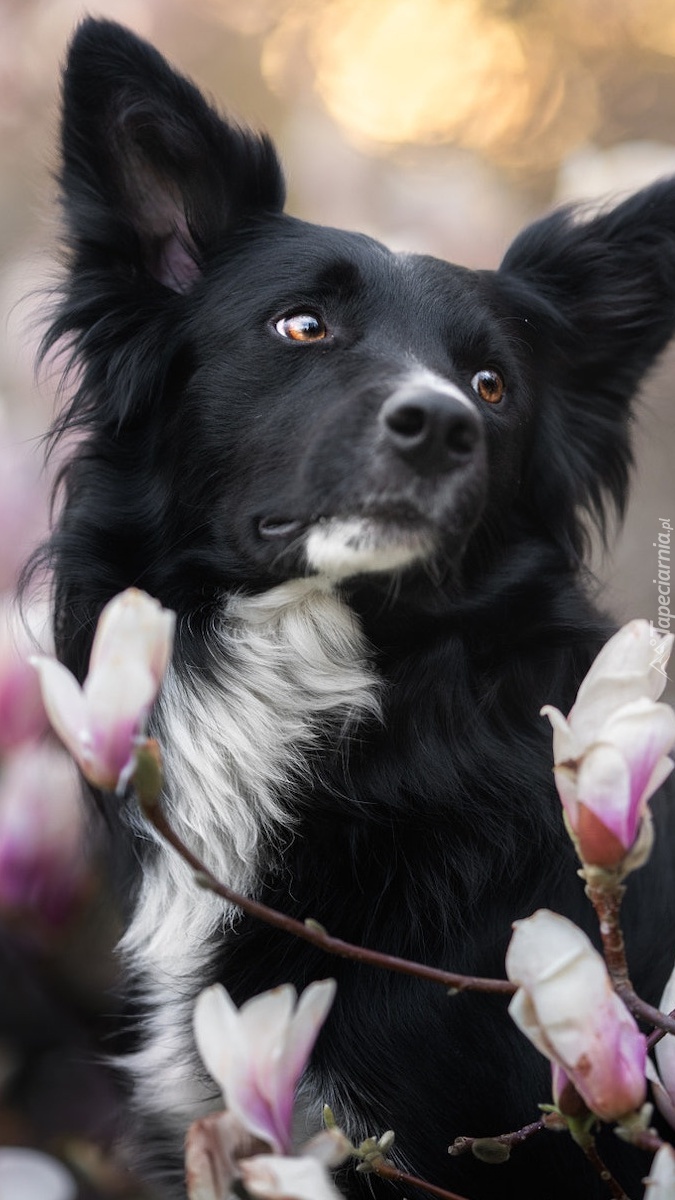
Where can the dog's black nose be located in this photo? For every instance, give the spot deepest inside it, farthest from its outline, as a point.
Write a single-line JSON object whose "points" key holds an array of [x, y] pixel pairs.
{"points": [[433, 431]]}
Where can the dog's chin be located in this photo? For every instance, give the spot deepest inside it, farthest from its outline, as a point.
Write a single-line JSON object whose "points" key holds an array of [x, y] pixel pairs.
{"points": [[342, 547]]}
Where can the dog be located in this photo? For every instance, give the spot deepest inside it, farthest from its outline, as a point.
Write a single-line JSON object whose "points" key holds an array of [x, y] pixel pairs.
{"points": [[364, 481]]}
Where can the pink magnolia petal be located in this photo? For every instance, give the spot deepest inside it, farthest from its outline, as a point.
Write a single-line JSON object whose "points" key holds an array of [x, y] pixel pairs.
{"points": [[644, 732], [230, 1059], [604, 786], [568, 1009], [661, 772], [22, 712], [64, 703], [265, 1022], [43, 868], [612, 1078], [311, 1012], [118, 696]]}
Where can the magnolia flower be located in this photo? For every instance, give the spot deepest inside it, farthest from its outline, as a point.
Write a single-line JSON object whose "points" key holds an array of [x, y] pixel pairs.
{"points": [[610, 753], [568, 1009], [660, 1183], [22, 714], [219, 1151], [43, 868], [257, 1053], [100, 722], [663, 1084]]}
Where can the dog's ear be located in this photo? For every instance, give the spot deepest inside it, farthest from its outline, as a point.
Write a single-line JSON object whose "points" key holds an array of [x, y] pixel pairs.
{"points": [[152, 177], [594, 302]]}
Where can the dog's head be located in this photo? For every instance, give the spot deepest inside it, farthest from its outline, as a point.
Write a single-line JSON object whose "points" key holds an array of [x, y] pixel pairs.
{"points": [[264, 398]]}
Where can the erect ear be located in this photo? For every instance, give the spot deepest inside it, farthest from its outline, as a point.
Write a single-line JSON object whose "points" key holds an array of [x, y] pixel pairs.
{"points": [[152, 177], [594, 300]]}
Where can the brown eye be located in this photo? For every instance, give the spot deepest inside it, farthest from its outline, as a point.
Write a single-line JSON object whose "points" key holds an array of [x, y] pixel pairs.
{"points": [[301, 327], [489, 385]]}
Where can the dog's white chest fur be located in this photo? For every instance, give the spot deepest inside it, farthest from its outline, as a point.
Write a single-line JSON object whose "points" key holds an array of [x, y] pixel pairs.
{"points": [[284, 665]]}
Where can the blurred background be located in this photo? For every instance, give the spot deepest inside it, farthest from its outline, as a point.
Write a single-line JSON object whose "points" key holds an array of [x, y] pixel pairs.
{"points": [[439, 126]]}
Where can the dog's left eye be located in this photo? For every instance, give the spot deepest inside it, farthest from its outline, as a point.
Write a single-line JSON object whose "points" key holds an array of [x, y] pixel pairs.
{"points": [[489, 385], [301, 327]]}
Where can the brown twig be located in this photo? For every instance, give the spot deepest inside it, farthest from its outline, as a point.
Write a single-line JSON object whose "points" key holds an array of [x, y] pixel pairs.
{"points": [[311, 931], [386, 1171], [659, 1033], [462, 1145], [607, 904], [590, 1150]]}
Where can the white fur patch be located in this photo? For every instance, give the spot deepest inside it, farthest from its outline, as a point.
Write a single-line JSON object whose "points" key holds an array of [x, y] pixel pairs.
{"points": [[284, 664], [340, 548]]}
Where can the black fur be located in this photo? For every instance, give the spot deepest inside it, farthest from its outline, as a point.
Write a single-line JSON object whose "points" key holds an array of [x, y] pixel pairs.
{"points": [[426, 834]]}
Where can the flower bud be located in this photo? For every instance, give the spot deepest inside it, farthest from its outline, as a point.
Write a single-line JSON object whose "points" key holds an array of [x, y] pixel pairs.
{"points": [[100, 722], [611, 752], [567, 1006]]}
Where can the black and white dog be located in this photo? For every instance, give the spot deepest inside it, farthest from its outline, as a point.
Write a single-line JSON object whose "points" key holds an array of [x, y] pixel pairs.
{"points": [[361, 479]]}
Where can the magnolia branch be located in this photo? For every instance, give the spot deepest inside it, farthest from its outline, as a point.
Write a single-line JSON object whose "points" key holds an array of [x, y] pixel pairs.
{"points": [[607, 904], [462, 1145], [309, 931], [590, 1150], [386, 1171]]}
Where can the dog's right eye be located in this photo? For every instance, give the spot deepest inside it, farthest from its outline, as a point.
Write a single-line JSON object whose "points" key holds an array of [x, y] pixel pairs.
{"points": [[301, 327]]}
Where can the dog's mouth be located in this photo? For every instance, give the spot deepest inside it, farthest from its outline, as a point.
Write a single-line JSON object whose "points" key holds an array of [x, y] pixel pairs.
{"points": [[354, 544]]}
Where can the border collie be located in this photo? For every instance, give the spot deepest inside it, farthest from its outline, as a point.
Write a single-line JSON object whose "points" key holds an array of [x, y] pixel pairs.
{"points": [[364, 482]]}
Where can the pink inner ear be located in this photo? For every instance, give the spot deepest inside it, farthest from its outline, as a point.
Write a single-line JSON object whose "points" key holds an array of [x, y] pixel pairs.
{"points": [[174, 266]]}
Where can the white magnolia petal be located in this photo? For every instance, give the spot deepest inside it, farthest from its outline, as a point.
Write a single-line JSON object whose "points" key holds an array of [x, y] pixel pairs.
{"points": [[136, 625], [273, 1177], [121, 688], [543, 945], [64, 703], [664, 1102], [623, 672], [660, 1183], [665, 1049], [566, 745], [628, 653], [524, 1014], [217, 1033]]}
